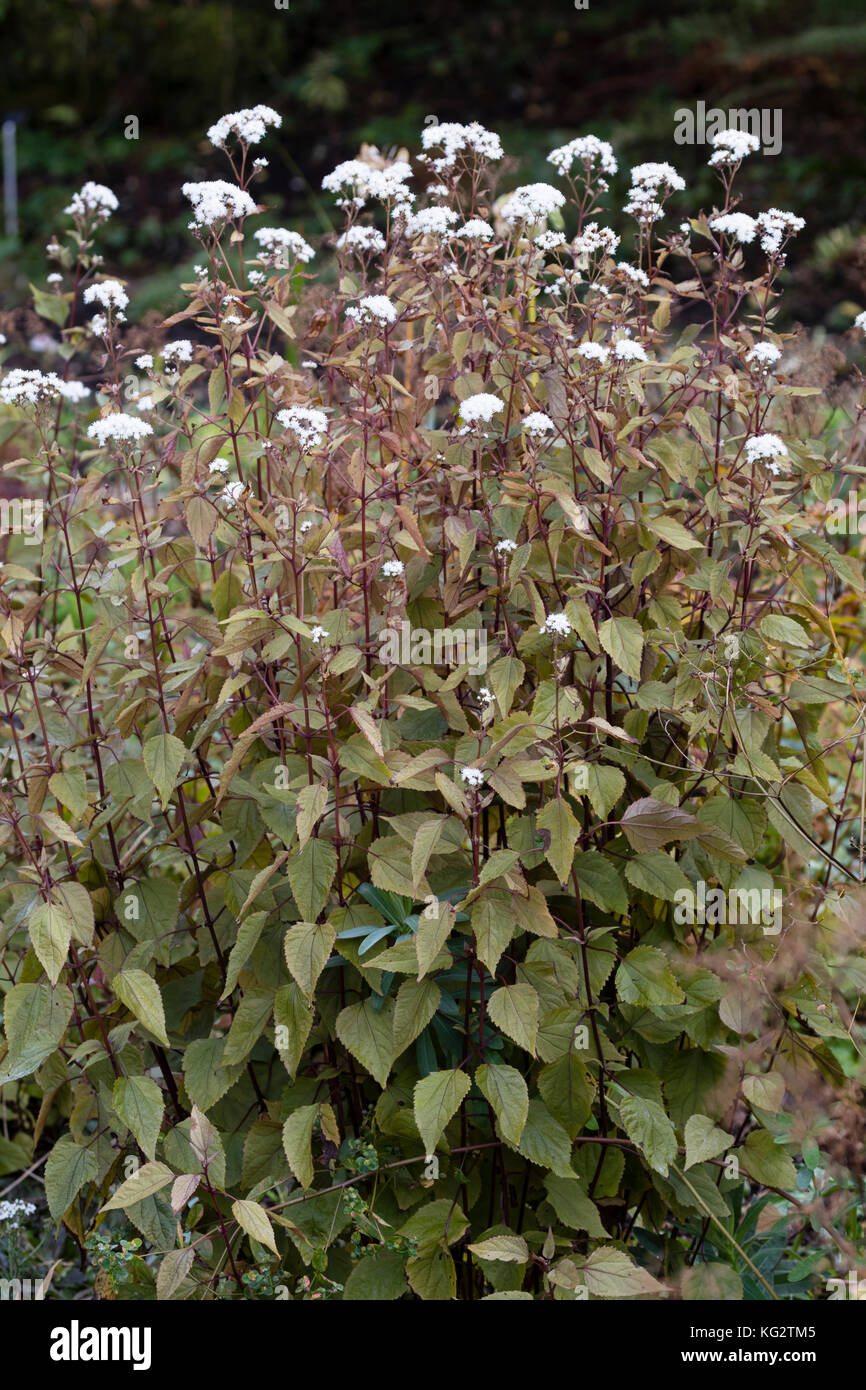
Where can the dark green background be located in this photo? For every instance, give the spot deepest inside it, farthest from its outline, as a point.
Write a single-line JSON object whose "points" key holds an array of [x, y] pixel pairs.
{"points": [[344, 72]]}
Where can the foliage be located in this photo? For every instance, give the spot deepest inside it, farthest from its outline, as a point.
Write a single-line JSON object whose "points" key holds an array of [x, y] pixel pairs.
{"points": [[339, 970]]}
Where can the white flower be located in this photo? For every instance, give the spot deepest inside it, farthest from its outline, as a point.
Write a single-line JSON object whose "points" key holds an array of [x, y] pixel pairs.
{"points": [[178, 351], [685, 228], [736, 224], [587, 150], [537, 423], [431, 222], [480, 407], [392, 569], [54, 279], [305, 526], [454, 139], [200, 271], [549, 241], [657, 176], [860, 321], [594, 352], [256, 277], [373, 308], [308, 426], [476, 229], [731, 146], [29, 387], [144, 361], [505, 547], [594, 238], [231, 493], [232, 318], [357, 181], [12, 1212], [769, 448], [94, 200], [362, 239], [215, 200], [259, 164], [318, 633], [274, 241], [627, 351], [765, 355], [74, 390], [144, 403], [248, 125], [557, 624], [109, 293], [775, 226], [121, 428], [98, 325], [634, 273], [485, 695], [219, 466], [472, 776], [532, 203]]}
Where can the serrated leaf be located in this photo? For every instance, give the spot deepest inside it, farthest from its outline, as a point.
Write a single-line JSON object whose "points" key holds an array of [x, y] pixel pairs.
{"points": [[140, 993], [622, 639], [704, 1140], [173, 1269], [557, 819], [514, 1010], [369, 1036], [436, 1098], [139, 1104], [654, 872], [311, 873], [506, 1091], [644, 977], [252, 1218], [573, 1207], [650, 824], [308, 946], [163, 758], [148, 1179], [50, 927], [417, 1002], [509, 1249], [69, 1167], [647, 1125]]}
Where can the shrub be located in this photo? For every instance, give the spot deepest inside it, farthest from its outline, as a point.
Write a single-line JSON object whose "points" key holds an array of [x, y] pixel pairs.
{"points": [[432, 752]]}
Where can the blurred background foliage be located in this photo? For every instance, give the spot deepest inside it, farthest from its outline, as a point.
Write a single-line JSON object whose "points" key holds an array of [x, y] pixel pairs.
{"points": [[341, 73]]}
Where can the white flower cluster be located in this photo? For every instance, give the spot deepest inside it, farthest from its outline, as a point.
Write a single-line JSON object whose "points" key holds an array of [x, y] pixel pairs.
{"points": [[634, 273], [472, 776], [764, 355], [505, 547], [354, 181], [317, 633], [731, 146], [594, 352], [860, 321], [362, 239], [123, 429], [532, 203], [23, 386], [557, 625], [587, 150], [248, 125], [737, 225], [309, 426], [627, 351], [178, 351], [109, 293], [537, 423], [145, 361], [650, 183], [476, 229], [231, 493], [766, 447], [373, 308], [392, 569], [481, 407], [93, 201], [430, 222], [775, 227], [218, 466], [274, 241], [215, 200], [12, 1212], [549, 241], [454, 139]]}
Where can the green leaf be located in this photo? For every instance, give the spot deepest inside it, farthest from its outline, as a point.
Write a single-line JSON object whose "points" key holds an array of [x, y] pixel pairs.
{"points": [[777, 628], [510, 1249], [249, 932], [514, 1010], [654, 872], [69, 1167], [369, 1036], [311, 873], [139, 1104], [297, 1142], [566, 1092], [70, 788], [622, 639], [205, 1078], [140, 993], [148, 1179], [647, 1125], [644, 977], [248, 1024], [417, 1002], [600, 881], [308, 946], [609, 1273], [426, 839], [432, 933], [252, 1218], [604, 787], [573, 1207], [163, 758], [50, 927], [648, 824], [545, 1142], [173, 1269], [493, 922], [377, 1278], [557, 819], [766, 1162], [294, 1015], [704, 1140], [505, 677], [711, 1283], [436, 1098], [506, 1091]]}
